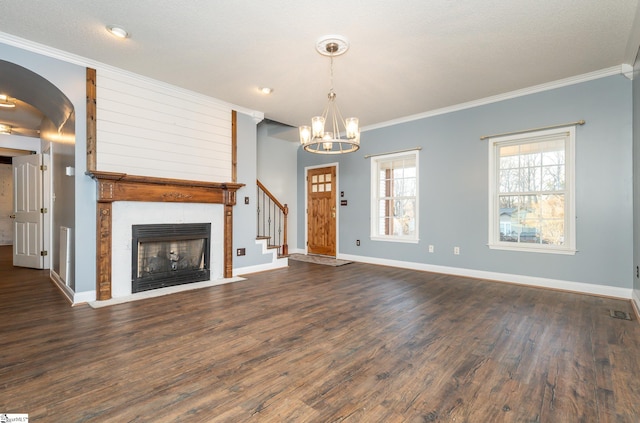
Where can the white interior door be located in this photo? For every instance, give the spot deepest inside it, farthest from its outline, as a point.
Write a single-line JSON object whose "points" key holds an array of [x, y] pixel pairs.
{"points": [[27, 205]]}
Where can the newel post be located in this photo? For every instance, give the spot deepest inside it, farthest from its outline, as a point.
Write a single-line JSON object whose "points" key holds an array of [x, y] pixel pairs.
{"points": [[285, 245]]}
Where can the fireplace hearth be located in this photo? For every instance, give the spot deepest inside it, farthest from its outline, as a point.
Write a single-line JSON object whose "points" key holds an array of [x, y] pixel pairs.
{"points": [[169, 254]]}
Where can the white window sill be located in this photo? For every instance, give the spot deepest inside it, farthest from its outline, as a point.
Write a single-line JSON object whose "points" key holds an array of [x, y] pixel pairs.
{"points": [[395, 239], [533, 249]]}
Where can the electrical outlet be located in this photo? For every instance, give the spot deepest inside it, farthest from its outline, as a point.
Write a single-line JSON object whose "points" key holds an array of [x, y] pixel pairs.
{"points": [[357, 242], [456, 250], [241, 252], [431, 248], [246, 200]]}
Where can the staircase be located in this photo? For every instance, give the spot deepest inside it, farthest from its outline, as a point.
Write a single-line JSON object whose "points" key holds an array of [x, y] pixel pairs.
{"points": [[272, 221]]}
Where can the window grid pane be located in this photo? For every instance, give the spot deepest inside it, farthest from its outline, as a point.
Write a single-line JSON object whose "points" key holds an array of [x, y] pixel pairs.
{"points": [[531, 183], [396, 191]]}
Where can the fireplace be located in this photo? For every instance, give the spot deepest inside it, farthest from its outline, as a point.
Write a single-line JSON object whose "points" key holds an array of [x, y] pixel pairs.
{"points": [[116, 191], [165, 255]]}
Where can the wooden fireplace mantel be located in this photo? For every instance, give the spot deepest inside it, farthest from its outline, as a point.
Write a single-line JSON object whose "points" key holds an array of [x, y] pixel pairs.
{"points": [[123, 187]]}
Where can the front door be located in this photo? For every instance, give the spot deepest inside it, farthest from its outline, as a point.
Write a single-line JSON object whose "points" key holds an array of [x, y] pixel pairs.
{"points": [[27, 211], [321, 211]]}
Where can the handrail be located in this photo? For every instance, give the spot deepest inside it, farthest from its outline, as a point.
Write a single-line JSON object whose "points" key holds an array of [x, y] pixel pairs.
{"points": [[273, 228], [271, 196]]}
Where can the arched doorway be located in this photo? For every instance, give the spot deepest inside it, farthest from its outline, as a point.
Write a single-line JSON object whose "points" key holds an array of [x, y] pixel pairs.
{"points": [[37, 98]]}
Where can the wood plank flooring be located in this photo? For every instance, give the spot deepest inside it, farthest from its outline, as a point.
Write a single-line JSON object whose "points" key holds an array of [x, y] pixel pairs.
{"points": [[312, 343]]}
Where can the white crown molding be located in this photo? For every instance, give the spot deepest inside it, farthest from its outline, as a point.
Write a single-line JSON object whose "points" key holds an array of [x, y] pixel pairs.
{"points": [[258, 116], [615, 70], [569, 286], [631, 51], [85, 62], [627, 71]]}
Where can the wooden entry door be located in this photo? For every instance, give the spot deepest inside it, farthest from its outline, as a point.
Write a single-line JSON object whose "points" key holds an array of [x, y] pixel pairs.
{"points": [[321, 211]]}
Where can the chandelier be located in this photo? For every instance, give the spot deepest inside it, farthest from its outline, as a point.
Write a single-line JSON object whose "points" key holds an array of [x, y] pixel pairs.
{"points": [[330, 133]]}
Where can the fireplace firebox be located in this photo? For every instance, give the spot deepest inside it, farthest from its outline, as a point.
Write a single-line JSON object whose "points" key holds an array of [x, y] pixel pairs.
{"points": [[169, 254]]}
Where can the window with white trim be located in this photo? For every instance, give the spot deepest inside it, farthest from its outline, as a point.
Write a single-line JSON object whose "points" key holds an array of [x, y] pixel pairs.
{"points": [[532, 191], [394, 197]]}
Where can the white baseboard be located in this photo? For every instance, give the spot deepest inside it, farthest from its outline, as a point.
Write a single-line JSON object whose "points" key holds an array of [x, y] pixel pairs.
{"points": [[74, 298], [277, 264], [635, 297], [162, 291], [84, 297], [580, 287], [57, 281]]}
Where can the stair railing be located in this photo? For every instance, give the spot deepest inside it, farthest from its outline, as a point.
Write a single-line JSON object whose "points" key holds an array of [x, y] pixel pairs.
{"points": [[272, 220]]}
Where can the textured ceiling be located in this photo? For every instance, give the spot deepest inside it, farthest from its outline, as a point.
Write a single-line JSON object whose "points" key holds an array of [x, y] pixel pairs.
{"points": [[406, 57]]}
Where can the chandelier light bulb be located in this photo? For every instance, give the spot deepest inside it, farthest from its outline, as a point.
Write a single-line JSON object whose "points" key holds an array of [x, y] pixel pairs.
{"points": [[5, 129], [305, 134], [352, 127], [5, 102], [317, 123]]}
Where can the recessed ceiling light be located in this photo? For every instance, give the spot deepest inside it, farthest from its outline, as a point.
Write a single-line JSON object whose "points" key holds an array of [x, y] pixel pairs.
{"points": [[118, 31], [265, 90], [5, 129], [5, 102]]}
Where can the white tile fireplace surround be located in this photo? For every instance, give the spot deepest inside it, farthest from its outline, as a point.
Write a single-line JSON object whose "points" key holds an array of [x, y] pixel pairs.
{"points": [[128, 213]]}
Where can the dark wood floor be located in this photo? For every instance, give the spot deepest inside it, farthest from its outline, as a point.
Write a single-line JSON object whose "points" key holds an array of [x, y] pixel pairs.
{"points": [[312, 343]]}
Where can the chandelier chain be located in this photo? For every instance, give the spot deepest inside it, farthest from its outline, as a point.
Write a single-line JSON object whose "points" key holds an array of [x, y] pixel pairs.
{"points": [[331, 73]]}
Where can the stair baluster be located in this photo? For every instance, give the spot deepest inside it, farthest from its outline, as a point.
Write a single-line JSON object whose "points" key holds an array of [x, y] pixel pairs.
{"points": [[272, 220]]}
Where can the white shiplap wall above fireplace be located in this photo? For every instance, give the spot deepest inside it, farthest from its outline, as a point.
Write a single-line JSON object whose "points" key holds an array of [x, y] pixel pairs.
{"points": [[150, 129]]}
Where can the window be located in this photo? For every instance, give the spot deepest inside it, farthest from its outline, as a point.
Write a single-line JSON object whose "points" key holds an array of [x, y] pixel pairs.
{"points": [[531, 192], [394, 197]]}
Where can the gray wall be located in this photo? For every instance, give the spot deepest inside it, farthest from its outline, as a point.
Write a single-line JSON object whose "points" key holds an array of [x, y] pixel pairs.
{"points": [[71, 80], [454, 185], [636, 180], [244, 215], [277, 163], [61, 156]]}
